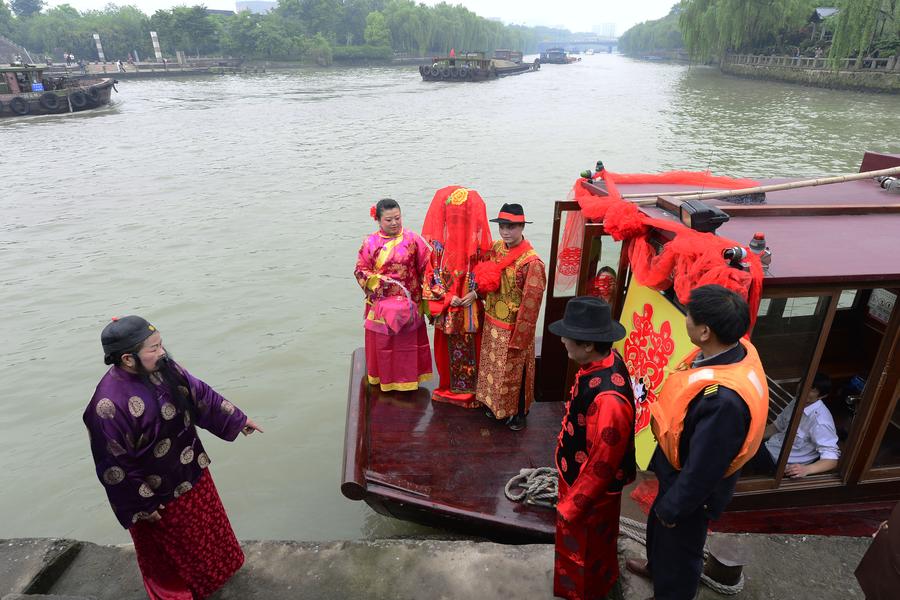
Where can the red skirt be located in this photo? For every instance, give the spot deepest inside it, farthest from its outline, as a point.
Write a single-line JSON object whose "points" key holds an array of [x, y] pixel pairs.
{"points": [[192, 551], [587, 560], [456, 357]]}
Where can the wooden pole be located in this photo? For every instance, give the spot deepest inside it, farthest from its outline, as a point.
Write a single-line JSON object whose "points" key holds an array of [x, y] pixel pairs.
{"points": [[791, 185]]}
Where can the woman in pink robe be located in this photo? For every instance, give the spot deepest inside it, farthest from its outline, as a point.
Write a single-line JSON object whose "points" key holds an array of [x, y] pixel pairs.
{"points": [[390, 269]]}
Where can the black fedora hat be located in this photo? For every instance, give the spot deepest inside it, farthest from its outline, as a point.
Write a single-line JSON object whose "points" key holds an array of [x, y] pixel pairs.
{"points": [[588, 319], [512, 214]]}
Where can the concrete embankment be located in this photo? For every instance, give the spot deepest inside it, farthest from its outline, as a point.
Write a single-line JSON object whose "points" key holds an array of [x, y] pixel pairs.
{"points": [[861, 80], [796, 567]]}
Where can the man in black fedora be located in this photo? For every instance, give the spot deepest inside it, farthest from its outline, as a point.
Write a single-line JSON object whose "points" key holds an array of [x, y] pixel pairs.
{"points": [[511, 280], [594, 454]]}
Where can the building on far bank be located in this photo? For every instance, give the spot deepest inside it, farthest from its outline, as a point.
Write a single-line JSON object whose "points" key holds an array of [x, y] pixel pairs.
{"points": [[607, 30], [258, 7]]}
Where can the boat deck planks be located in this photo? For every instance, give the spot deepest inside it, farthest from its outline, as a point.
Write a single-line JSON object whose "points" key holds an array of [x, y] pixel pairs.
{"points": [[455, 462]]}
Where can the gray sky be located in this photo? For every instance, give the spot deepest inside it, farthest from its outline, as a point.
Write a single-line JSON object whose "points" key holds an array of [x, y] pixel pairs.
{"points": [[576, 15]]}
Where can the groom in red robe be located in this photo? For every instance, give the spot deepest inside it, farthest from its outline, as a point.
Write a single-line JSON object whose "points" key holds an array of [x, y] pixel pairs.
{"points": [[594, 454]]}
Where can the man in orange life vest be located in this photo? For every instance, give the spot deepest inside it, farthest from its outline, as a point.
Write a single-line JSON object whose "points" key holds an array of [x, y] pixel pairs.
{"points": [[708, 421]]}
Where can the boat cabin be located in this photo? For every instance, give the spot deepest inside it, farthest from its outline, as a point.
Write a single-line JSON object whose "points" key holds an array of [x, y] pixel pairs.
{"points": [[829, 306], [510, 55], [554, 56], [21, 79]]}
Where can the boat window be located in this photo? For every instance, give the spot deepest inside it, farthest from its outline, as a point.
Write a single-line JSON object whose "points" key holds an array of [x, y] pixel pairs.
{"points": [[568, 258], [786, 336], [603, 252], [873, 312], [847, 299], [889, 451], [603, 266], [763, 307]]}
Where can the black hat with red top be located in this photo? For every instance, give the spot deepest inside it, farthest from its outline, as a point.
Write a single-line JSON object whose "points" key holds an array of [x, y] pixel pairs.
{"points": [[511, 214]]}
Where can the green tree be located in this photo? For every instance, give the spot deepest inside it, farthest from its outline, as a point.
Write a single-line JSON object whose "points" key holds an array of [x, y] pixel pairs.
{"points": [[321, 16], [27, 8], [5, 19], [861, 25], [653, 36], [377, 32], [711, 28], [186, 28]]}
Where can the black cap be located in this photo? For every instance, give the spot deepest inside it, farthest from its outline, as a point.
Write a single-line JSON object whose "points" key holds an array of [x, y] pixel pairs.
{"points": [[588, 319], [124, 333], [512, 214]]}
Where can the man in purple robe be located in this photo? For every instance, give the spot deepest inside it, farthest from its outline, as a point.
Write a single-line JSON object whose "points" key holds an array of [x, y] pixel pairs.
{"points": [[149, 458]]}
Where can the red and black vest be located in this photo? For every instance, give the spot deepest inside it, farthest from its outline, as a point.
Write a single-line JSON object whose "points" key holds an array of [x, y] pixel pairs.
{"points": [[572, 449]]}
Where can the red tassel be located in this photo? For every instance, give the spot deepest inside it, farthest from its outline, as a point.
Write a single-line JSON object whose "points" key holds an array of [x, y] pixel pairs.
{"points": [[487, 277], [373, 212]]}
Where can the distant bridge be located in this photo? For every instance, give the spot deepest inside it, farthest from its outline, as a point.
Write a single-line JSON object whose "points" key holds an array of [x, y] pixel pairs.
{"points": [[597, 43]]}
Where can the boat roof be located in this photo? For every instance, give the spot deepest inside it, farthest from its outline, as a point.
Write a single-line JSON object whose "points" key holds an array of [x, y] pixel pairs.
{"points": [[856, 243]]}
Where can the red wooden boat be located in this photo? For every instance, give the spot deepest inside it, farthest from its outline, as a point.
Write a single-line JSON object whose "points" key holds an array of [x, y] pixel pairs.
{"points": [[828, 304]]}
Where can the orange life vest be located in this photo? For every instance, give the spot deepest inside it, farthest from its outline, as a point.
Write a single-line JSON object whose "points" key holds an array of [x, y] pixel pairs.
{"points": [[746, 377]]}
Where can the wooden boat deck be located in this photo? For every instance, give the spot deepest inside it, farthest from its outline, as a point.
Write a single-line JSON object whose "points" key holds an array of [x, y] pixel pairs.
{"points": [[443, 465]]}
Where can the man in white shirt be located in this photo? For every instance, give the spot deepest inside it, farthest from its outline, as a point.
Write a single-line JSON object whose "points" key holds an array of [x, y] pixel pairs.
{"points": [[815, 448]]}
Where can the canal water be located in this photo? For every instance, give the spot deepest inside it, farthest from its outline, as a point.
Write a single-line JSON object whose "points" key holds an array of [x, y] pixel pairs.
{"points": [[228, 211]]}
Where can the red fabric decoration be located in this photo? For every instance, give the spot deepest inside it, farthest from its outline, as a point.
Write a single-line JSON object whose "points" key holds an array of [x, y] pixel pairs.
{"points": [[487, 273], [373, 212], [645, 493], [624, 221], [692, 258], [457, 220], [701, 179]]}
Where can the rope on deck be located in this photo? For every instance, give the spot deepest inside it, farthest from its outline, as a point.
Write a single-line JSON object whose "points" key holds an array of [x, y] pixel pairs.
{"points": [[540, 487]]}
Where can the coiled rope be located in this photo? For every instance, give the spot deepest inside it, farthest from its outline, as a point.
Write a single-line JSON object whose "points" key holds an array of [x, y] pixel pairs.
{"points": [[540, 487]]}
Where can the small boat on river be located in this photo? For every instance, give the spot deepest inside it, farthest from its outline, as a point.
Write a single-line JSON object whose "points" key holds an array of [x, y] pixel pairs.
{"points": [[827, 303], [25, 91], [474, 66]]}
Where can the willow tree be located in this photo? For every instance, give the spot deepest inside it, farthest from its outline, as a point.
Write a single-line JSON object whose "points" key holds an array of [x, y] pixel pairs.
{"points": [[711, 28], [859, 24]]}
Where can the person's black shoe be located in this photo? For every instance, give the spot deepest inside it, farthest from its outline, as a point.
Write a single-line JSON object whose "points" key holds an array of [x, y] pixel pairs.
{"points": [[516, 422], [490, 414]]}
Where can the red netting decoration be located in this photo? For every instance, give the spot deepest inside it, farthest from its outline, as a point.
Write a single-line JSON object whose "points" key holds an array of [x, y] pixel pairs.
{"points": [[692, 258]]}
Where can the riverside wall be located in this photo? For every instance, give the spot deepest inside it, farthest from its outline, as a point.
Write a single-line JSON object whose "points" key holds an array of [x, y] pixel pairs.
{"points": [[880, 80]]}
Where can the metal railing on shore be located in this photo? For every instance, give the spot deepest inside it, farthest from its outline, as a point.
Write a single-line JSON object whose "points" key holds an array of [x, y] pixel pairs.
{"points": [[890, 64]]}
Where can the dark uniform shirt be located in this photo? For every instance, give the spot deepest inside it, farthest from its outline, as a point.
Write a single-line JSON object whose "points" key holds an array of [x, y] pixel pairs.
{"points": [[715, 428]]}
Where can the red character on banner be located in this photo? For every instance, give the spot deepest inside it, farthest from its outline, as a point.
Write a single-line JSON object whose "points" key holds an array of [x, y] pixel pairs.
{"points": [[646, 353]]}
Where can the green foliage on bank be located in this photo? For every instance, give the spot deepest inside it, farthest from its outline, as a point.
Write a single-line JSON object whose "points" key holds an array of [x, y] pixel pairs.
{"points": [[362, 52], [866, 28], [313, 30], [653, 36], [713, 27]]}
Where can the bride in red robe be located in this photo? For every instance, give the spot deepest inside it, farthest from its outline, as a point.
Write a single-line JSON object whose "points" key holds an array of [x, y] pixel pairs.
{"points": [[457, 228]]}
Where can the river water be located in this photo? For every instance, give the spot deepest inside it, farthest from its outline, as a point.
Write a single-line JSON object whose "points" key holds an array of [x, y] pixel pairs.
{"points": [[229, 210]]}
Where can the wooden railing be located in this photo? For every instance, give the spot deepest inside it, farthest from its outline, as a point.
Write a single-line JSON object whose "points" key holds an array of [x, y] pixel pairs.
{"points": [[822, 63]]}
